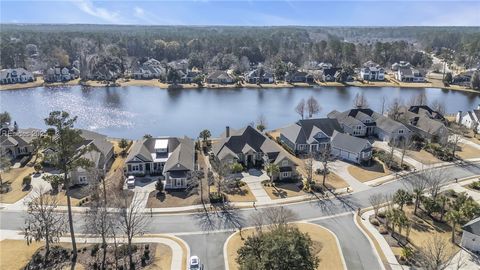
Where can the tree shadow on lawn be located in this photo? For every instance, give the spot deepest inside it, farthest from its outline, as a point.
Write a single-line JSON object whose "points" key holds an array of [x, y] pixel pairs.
{"points": [[374, 166]]}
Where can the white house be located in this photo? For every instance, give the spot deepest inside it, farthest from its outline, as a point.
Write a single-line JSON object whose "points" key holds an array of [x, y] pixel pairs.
{"points": [[401, 64], [471, 235], [15, 75], [470, 119], [372, 72], [409, 75]]}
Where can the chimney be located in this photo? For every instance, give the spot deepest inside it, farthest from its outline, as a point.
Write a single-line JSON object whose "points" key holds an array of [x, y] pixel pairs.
{"points": [[458, 119], [227, 131]]}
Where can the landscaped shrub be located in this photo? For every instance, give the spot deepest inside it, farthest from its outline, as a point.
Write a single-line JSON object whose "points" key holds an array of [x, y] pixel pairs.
{"points": [[266, 183], [216, 197], [391, 164], [440, 152], [241, 183], [475, 185], [159, 186], [27, 181], [381, 214], [236, 167], [94, 250], [375, 222], [382, 229]]}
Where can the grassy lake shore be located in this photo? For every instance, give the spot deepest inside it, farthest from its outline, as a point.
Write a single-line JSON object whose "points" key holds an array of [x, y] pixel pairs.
{"points": [[432, 83]]}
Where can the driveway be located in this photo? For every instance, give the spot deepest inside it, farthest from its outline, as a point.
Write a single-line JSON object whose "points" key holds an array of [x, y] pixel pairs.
{"points": [[254, 180], [340, 168], [143, 187]]}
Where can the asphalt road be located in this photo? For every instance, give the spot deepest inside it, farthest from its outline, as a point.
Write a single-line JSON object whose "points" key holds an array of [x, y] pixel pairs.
{"points": [[206, 232], [356, 248]]}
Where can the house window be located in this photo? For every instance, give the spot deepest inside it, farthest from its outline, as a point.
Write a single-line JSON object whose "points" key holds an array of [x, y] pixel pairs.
{"points": [[179, 182], [285, 174], [82, 179], [169, 182], [284, 162], [400, 131]]}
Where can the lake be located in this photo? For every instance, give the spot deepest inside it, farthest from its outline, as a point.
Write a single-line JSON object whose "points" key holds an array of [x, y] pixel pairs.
{"points": [[131, 112]]}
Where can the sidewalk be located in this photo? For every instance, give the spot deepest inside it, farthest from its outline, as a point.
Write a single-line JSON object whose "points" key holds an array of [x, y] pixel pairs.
{"points": [[19, 206], [386, 249]]}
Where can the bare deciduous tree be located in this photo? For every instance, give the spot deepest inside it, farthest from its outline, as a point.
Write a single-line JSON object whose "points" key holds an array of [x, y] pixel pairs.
{"points": [[436, 253], [419, 100], [132, 221], [42, 222], [416, 184], [324, 156], [98, 219], [438, 105], [300, 109], [360, 102], [394, 109], [308, 166], [376, 200], [272, 217], [312, 106], [261, 123]]}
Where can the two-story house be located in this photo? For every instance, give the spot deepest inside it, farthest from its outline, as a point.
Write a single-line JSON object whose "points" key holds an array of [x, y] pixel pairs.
{"points": [[366, 122]]}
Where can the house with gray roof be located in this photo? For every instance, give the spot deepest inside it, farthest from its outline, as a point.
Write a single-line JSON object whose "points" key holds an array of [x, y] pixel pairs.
{"points": [[220, 77], [100, 154], [252, 148], [17, 143], [309, 135], [259, 76], [171, 157], [469, 119], [410, 75], [15, 75], [366, 122], [471, 235], [372, 72], [350, 148], [424, 121]]}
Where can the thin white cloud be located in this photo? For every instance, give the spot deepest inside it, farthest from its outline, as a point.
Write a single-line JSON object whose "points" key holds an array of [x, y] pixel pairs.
{"points": [[139, 11], [88, 7]]}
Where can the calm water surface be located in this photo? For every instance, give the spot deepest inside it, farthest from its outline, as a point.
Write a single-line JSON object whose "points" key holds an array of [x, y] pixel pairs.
{"points": [[131, 112]]}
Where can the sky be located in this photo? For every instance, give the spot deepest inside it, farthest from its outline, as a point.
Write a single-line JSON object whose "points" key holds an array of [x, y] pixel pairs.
{"points": [[249, 13]]}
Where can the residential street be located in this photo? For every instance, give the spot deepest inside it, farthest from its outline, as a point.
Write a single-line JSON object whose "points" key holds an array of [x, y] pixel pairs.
{"points": [[206, 233]]}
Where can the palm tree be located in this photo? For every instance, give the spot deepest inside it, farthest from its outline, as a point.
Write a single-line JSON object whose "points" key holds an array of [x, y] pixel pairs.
{"points": [[205, 135], [418, 193], [402, 197], [455, 217], [272, 169]]}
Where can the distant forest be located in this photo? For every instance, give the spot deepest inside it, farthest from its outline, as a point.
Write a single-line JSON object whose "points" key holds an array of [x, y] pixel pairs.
{"points": [[217, 47]]}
